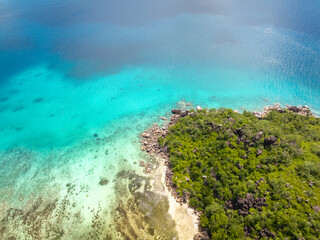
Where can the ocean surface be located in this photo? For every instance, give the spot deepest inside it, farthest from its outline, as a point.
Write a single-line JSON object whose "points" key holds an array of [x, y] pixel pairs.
{"points": [[80, 80]]}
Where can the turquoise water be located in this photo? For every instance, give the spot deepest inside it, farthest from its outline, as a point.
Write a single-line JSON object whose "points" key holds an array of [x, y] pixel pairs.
{"points": [[69, 70]]}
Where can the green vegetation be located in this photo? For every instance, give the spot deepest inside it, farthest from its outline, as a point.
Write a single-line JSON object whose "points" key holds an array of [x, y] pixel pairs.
{"points": [[251, 178]]}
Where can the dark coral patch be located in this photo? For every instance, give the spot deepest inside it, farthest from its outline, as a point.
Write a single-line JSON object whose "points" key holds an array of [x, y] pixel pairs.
{"points": [[38, 100], [4, 99]]}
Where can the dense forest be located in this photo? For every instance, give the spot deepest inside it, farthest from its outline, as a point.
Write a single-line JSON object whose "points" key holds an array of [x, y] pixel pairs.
{"points": [[249, 177]]}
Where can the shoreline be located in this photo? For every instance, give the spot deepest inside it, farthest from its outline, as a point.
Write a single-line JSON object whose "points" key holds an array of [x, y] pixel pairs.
{"points": [[149, 144], [183, 215], [186, 219]]}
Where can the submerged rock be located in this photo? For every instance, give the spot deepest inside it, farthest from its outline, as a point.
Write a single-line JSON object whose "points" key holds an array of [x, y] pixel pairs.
{"points": [[38, 100], [185, 113], [146, 135], [176, 111], [103, 181]]}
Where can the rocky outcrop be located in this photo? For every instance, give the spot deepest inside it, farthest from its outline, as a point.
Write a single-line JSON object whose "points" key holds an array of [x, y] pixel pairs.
{"points": [[302, 110], [316, 208], [150, 144], [244, 204], [257, 136], [214, 126], [149, 139], [201, 236], [259, 152], [199, 108], [239, 132], [270, 141], [147, 166], [230, 119], [265, 233], [176, 111]]}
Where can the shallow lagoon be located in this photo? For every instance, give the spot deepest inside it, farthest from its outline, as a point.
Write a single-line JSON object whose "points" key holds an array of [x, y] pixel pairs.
{"points": [[70, 71]]}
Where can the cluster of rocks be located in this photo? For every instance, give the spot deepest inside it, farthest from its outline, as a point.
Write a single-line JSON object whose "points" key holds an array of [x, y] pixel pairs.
{"points": [[149, 144], [302, 110], [250, 142], [316, 208], [268, 141], [242, 137], [263, 234], [147, 166], [202, 235], [149, 138], [244, 204]]}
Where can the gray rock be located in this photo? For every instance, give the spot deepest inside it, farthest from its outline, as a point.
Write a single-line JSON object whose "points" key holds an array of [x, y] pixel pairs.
{"points": [[258, 136], [270, 141], [316, 208], [230, 119]]}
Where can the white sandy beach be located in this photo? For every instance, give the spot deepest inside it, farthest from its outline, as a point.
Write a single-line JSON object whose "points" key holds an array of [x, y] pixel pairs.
{"points": [[185, 218]]}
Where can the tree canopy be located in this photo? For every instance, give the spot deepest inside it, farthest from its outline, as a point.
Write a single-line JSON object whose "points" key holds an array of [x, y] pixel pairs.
{"points": [[249, 177]]}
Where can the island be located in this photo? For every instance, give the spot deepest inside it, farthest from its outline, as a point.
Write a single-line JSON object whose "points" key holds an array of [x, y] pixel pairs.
{"points": [[248, 175]]}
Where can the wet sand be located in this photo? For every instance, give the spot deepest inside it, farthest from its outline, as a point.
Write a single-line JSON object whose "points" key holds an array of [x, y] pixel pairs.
{"points": [[185, 218]]}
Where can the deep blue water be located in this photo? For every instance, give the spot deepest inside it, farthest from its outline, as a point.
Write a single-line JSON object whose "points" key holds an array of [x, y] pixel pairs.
{"points": [[70, 69]]}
